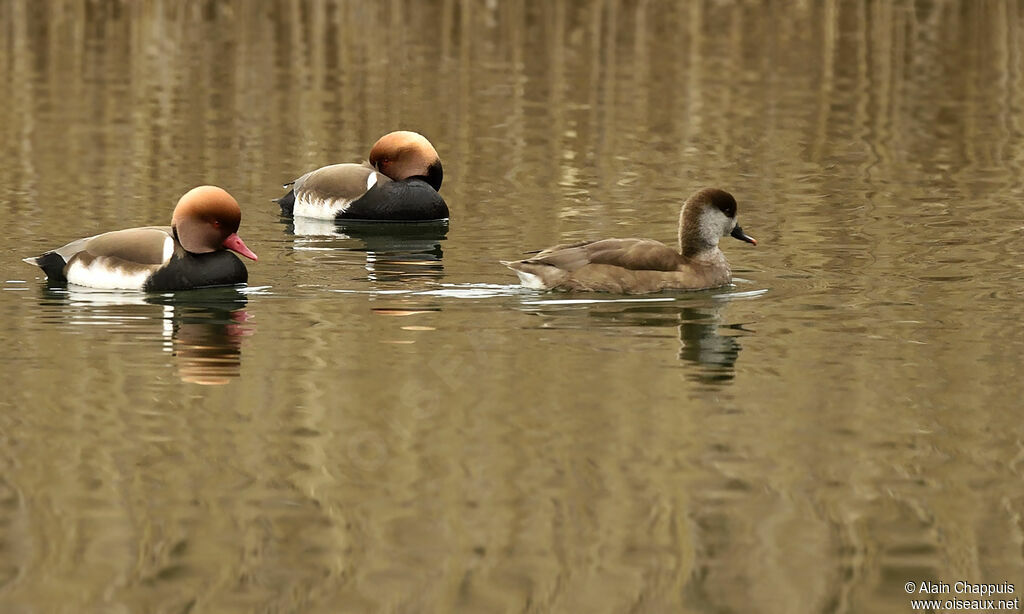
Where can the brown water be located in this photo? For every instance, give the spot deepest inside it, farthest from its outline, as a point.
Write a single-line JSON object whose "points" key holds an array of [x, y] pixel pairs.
{"points": [[390, 424]]}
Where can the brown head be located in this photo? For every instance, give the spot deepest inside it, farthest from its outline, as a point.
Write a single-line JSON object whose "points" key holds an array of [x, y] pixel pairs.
{"points": [[206, 219], [707, 216], [403, 154]]}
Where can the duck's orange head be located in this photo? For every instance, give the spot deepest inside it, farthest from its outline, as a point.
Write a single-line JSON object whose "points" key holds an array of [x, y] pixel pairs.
{"points": [[206, 219], [404, 154]]}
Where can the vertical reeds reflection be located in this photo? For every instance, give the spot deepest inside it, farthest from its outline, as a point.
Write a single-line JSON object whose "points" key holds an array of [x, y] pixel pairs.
{"points": [[556, 120], [635, 100]]}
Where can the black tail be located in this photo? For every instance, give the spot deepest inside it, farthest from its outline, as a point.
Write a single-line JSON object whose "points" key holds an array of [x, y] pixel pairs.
{"points": [[287, 203], [52, 264]]}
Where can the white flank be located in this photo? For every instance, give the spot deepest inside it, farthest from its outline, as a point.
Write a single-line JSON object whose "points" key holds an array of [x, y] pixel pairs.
{"points": [[371, 180], [319, 208], [168, 248], [100, 273], [531, 281]]}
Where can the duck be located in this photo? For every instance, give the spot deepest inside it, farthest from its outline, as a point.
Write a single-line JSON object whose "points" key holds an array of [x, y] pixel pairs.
{"points": [[399, 183], [641, 266], [193, 252]]}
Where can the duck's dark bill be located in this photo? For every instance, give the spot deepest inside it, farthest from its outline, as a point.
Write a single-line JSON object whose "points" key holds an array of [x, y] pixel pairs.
{"points": [[737, 233]]}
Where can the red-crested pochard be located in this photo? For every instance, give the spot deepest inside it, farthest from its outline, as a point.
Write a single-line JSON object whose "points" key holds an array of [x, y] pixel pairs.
{"points": [[190, 253], [398, 184], [639, 266]]}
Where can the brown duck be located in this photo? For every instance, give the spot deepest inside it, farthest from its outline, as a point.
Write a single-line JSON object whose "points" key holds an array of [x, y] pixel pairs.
{"points": [[640, 266]]}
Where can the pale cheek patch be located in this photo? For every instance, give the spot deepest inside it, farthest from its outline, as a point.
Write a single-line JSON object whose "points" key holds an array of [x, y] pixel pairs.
{"points": [[102, 273], [713, 225]]}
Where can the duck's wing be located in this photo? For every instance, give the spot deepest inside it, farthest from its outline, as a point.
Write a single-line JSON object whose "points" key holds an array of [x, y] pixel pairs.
{"points": [[327, 191], [347, 181], [632, 254], [143, 246], [135, 248]]}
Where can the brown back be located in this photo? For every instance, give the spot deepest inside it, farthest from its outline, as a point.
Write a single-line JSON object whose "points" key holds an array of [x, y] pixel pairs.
{"points": [[344, 181], [631, 254], [134, 245]]}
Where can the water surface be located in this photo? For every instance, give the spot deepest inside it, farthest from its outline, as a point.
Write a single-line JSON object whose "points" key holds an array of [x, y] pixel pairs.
{"points": [[386, 422]]}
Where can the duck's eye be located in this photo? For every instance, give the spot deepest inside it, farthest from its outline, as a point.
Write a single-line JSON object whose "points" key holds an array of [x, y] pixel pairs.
{"points": [[216, 223]]}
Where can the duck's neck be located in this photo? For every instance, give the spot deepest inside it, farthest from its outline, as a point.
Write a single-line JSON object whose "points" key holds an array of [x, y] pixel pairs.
{"points": [[692, 242]]}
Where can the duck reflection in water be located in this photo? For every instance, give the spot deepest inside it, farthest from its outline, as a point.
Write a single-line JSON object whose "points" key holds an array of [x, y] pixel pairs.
{"points": [[394, 251], [206, 335], [710, 346], [701, 341], [202, 330]]}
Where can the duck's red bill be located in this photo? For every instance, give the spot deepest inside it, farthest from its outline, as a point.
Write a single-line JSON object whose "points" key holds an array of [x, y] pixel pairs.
{"points": [[235, 244]]}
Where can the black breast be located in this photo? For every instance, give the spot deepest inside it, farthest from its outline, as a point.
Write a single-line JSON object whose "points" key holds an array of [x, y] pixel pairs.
{"points": [[409, 200], [190, 271]]}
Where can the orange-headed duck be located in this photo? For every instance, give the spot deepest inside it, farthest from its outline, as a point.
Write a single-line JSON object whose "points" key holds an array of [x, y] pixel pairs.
{"points": [[398, 184], [639, 266], [190, 253]]}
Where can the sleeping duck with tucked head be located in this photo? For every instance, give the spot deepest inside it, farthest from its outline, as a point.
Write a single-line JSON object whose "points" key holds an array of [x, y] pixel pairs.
{"points": [[190, 253], [399, 183], [640, 266]]}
